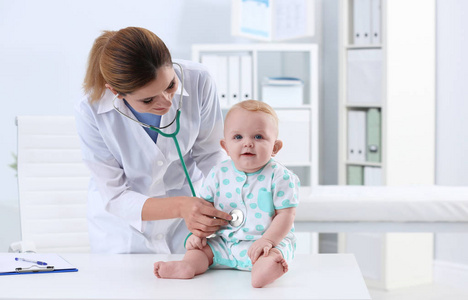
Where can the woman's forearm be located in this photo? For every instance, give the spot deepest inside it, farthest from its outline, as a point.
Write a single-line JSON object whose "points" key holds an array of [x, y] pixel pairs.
{"points": [[162, 208]]}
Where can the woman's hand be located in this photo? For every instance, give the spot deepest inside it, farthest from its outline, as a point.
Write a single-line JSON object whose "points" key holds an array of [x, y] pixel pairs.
{"points": [[195, 242], [259, 247], [201, 218]]}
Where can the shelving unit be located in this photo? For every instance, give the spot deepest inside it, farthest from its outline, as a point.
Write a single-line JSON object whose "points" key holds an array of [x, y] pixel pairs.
{"points": [[407, 129], [298, 123]]}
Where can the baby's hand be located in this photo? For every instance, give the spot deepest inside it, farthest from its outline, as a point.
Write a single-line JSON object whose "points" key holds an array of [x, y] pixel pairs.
{"points": [[195, 242], [259, 247]]}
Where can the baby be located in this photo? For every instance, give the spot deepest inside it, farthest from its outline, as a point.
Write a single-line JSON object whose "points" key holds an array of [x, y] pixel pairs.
{"points": [[260, 194]]}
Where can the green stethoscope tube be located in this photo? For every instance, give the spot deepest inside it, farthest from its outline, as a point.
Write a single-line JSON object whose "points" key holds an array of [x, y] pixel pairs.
{"points": [[176, 143], [167, 135]]}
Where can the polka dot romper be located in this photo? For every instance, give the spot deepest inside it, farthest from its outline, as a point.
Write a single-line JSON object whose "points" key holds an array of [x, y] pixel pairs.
{"points": [[258, 195]]}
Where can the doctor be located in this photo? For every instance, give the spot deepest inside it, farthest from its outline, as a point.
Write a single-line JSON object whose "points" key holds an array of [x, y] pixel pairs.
{"points": [[139, 199]]}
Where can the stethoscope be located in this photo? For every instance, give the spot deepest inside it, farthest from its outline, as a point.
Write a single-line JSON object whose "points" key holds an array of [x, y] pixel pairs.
{"points": [[237, 215]]}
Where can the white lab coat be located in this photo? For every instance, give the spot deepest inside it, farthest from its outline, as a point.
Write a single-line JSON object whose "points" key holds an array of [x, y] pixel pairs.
{"points": [[127, 167]]}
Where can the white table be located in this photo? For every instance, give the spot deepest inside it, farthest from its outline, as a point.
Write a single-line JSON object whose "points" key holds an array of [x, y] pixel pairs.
{"points": [[130, 276]]}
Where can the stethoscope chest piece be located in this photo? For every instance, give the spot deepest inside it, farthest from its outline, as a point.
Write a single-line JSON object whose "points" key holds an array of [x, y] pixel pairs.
{"points": [[237, 218]]}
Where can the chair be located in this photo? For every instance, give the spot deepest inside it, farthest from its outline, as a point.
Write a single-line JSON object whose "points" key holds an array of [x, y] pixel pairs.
{"points": [[52, 181]]}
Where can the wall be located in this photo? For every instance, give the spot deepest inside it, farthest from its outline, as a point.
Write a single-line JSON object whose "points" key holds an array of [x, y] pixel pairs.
{"points": [[44, 48], [43, 52], [452, 121]]}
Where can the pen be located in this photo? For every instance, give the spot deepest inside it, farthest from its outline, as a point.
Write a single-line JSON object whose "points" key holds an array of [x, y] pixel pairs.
{"points": [[40, 263]]}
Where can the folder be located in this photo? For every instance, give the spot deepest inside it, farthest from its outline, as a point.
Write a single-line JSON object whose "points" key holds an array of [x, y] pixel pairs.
{"points": [[372, 175], [32, 263], [217, 65], [364, 78], [374, 130], [234, 79], [356, 135], [246, 91], [361, 22], [355, 175], [294, 126], [375, 21]]}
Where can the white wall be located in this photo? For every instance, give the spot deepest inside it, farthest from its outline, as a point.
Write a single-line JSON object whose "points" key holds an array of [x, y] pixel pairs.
{"points": [[43, 52], [452, 115], [44, 47]]}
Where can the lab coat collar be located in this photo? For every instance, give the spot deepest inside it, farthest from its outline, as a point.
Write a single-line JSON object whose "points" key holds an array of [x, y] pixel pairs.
{"points": [[105, 104]]}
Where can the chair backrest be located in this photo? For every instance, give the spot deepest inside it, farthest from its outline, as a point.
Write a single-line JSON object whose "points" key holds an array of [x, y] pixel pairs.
{"points": [[53, 183]]}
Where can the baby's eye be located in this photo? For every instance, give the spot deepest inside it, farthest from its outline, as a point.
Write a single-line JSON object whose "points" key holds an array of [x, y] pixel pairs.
{"points": [[238, 137], [258, 137]]}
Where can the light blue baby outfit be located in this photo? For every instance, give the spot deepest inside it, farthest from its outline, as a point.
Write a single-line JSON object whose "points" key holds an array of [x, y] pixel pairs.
{"points": [[258, 195]]}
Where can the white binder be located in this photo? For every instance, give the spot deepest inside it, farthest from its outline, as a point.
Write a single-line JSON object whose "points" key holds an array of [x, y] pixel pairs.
{"points": [[361, 22], [364, 78], [372, 175], [375, 21], [246, 91], [218, 67], [294, 126], [234, 79], [356, 135]]}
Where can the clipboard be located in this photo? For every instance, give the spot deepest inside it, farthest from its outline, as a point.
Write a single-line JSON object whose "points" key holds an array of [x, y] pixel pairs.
{"points": [[55, 263]]}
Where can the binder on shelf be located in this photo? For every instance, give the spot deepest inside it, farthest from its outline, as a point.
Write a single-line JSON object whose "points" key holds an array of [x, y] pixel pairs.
{"points": [[246, 90], [218, 67], [30, 263], [375, 21], [356, 135], [355, 175], [294, 126], [234, 79], [372, 175], [362, 22], [374, 130], [364, 78]]}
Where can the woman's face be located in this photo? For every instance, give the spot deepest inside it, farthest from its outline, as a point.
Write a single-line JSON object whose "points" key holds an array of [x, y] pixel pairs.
{"points": [[156, 96]]}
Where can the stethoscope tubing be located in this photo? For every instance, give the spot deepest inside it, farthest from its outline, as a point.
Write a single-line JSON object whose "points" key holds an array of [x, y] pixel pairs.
{"points": [[172, 135]]}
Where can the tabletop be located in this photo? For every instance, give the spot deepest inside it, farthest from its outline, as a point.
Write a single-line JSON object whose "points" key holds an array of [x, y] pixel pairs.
{"points": [[130, 276]]}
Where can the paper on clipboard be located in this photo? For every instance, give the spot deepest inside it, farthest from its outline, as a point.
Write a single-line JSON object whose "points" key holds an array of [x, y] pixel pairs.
{"points": [[55, 263]]}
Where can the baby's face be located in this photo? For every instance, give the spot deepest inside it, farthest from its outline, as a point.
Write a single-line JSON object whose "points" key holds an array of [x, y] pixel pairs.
{"points": [[250, 139]]}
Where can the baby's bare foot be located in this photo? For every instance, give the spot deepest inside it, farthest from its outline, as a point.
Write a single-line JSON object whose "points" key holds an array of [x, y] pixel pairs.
{"points": [[280, 260], [174, 270], [268, 269]]}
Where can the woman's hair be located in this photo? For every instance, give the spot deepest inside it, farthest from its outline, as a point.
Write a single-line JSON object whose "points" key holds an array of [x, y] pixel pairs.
{"points": [[127, 60], [255, 105]]}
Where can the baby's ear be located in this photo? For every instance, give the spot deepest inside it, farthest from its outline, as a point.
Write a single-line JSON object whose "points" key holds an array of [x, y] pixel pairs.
{"points": [[277, 147], [223, 145]]}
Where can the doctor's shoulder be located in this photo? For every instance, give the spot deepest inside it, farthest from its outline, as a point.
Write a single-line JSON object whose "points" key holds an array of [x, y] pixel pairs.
{"points": [[84, 106], [194, 70]]}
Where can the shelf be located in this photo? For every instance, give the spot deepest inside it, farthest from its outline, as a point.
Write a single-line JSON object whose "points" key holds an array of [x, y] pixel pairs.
{"points": [[351, 47], [299, 119], [253, 47], [363, 163], [364, 105]]}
